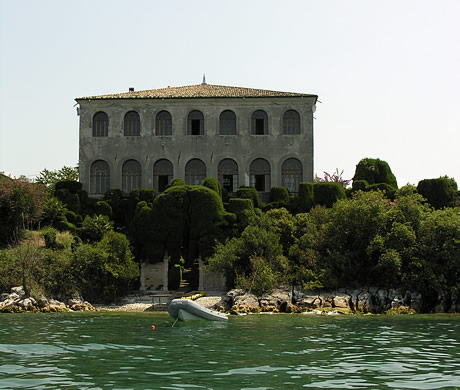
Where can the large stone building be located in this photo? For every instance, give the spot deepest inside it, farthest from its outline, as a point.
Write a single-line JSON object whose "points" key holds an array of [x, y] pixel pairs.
{"points": [[241, 136]]}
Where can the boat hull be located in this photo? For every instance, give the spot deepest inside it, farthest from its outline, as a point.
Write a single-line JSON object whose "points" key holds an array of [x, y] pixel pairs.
{"points": [[188, 310]]}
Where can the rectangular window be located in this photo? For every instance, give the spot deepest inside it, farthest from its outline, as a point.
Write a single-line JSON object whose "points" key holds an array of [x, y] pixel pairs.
{"points": [[228, 182], [260, 127], [260, 183], [196, 127]]}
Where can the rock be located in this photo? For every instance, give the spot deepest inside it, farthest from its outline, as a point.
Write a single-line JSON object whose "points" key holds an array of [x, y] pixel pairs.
{"points": [[57, 306], [4, 297], [28, 304], [364, 302], [18, 290], [310, 301], [278, 300], [341, 301]]}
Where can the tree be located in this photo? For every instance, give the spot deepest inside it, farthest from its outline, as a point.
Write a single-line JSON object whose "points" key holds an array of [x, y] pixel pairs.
{"points": [[50, 178], [21, 205]]}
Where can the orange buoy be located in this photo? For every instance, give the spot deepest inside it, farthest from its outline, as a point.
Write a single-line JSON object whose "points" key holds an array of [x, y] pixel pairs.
{"points": [[153, 327]]}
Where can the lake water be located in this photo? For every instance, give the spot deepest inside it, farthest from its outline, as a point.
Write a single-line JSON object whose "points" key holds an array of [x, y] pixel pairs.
{"points": [[122, 351]]}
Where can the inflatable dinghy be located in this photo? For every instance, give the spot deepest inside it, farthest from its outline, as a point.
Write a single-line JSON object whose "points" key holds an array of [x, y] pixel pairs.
{"points": [[188, 310]]}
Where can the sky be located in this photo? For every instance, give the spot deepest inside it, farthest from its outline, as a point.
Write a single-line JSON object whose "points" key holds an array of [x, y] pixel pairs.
{"points": [[387, 73]]}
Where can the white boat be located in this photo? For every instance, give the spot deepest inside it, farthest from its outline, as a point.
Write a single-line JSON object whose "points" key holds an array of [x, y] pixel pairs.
{"points": [[188, 310]]}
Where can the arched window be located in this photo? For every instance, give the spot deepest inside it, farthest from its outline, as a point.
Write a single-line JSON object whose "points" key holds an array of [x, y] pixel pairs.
{"points": [[227, 173], [132, 124], [163, 123], [291, 122], [195, 123], [195, 172], [131, 176], [100, 125], [99, 177], [162, 174], [259, 175], [291, 175], [259, 123], [227, 123]]}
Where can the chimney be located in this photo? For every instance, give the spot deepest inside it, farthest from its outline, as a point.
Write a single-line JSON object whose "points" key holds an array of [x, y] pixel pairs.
{"points": [[131, 89]]}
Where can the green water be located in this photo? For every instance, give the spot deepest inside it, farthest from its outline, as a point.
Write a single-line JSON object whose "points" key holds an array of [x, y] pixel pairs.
{"points": [[121, 351]]}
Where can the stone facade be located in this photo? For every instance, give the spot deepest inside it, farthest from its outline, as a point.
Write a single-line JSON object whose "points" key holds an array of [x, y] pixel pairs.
{"points": [[240, 136]]}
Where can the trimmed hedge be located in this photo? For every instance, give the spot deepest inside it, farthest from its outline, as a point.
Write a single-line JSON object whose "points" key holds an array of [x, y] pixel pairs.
{"points": [[279, 194], [375, 171], [248, 193], [327, 193], [213, 184], [439, 192], [305, 199]]}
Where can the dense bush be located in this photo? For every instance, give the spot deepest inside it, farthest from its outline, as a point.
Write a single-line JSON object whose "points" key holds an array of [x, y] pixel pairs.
{"points": [[327, 193], [305, 200], [279, 194], [248, 193], [375, 171], [103, 208], [440, 192], [213, 184], [243, 209]]}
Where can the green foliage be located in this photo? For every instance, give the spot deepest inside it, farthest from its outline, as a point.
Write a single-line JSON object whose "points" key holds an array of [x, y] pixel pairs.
{"points": [[305, 200], [388, 190], [440, 192], [95, 227], [279, 194], [69, 199], [359, 185], [147, 195], [176, 182], [105, 270], [248, 193], [375, 171], [327, 193], [213, 184], [243, 209], [258, 241], [70, 185], [103, 208], [50, 178], [21, 206]]}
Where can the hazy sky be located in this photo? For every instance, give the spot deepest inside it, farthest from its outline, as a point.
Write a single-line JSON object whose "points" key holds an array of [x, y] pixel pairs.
{"points": [[387, 73]]}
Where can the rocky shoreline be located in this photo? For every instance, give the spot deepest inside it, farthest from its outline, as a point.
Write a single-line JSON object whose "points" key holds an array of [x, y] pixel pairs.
{"points": [[238, 302]]}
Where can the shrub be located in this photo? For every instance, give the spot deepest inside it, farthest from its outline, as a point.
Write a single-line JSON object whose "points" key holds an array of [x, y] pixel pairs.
{"points": [[103, 208], [326, 194], [305, 200], [243, 209], [279, 194], [71, 185], [374, 171], [70, 216], [248, 193], [440, 192], [147, 195], [176, 182], [359, 185], [213, 184], [69, 199], [94, 228], [386, 189]]}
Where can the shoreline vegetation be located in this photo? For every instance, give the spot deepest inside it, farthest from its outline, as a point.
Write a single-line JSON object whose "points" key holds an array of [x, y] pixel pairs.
{"points": [[325, 242]]}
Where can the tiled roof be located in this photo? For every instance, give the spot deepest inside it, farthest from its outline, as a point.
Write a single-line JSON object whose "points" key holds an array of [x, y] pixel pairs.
{"points": [[198, 91]]}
